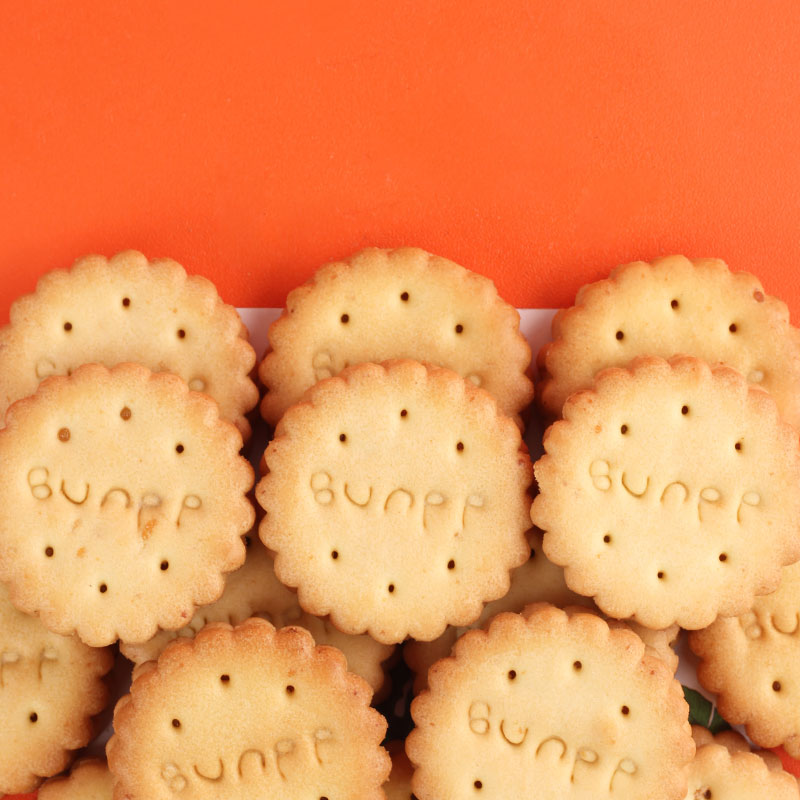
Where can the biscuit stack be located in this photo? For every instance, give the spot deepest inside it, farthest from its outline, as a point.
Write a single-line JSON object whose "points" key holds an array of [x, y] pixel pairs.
{"points": [[396, 499]]}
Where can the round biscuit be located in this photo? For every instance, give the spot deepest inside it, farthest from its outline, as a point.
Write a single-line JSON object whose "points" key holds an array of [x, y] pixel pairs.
{"points": [[670, 307], [386, 304], [248, 712], [124, 503], [110, 311], [670, 493], [718, 773], [396, 500], [50, 687], [753, 663], [552, 705]]}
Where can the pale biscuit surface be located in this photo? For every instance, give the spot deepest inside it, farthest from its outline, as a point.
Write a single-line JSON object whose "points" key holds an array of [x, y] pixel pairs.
{"points": [[670, 492], [124, 503], [396, 500], [244, 713], [386, 304], [253, 590], [109, 311], [753, 663], [50, 686], [670, 307], [551, 706], [89, 780], [716, 773], [537, 580]]}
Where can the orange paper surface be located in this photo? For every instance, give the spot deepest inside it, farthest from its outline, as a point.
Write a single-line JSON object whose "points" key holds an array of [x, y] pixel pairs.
{"points": [[539, 143]]}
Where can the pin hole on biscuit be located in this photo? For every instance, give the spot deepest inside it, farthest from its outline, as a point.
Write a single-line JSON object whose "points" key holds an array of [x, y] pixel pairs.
{"points": [[33, 717], [675, 304], [126, 302], [67, 326]]}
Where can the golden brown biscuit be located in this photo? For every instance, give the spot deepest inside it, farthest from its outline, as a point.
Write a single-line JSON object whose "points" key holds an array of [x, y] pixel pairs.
{"points": [[125, 308], [753, 663], [89, 780], [670, 493], [724, 767], [386, 304], [399, 785], [50, 687], [396, 500], [247, 712], [670, 307], [734, 743], [253, 590], [125, 503], [537, 580], [554, 701]]}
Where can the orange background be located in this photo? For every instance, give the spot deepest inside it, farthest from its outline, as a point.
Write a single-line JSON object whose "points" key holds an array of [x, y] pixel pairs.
{"points": [[540, 143]]}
